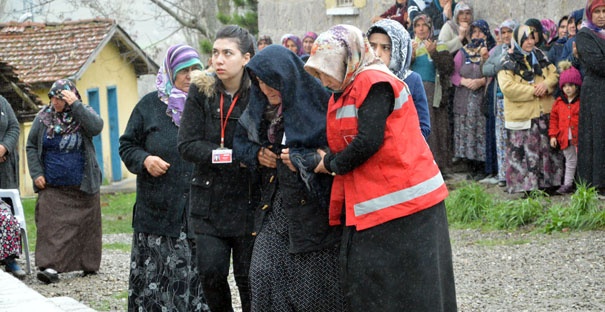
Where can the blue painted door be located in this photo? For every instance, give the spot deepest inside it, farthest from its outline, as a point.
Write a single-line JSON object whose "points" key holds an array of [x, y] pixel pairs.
{"points": [[114, 133], [93, 101]]}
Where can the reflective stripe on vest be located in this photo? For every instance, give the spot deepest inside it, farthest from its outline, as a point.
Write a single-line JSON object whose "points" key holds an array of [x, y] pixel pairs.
{"points": [[350, 111], [400, 196]]}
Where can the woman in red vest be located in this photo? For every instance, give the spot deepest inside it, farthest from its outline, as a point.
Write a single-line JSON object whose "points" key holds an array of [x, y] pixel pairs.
{"points": [[396, 252]]}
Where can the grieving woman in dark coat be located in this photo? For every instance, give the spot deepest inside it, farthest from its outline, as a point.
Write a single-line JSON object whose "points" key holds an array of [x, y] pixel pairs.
{"points": [[295, 258], [63, 166], [591, 146], [223, 191], [163, 274]]}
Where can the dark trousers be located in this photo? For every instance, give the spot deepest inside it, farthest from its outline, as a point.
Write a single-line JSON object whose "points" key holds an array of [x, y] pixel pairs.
{"points": [[213, 259], [401, 265]]}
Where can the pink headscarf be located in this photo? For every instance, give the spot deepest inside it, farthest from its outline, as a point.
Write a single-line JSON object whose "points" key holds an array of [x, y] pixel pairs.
{"points": [[587, 20], [549, 28]]}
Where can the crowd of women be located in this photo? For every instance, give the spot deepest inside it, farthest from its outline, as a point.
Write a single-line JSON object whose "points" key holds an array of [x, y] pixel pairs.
{"points": [[314, 166]]}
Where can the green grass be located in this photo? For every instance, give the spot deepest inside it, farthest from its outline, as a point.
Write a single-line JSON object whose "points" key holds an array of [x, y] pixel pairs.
{"points": [[105, 305], [117, 246], [471, 206], [116, 213]]}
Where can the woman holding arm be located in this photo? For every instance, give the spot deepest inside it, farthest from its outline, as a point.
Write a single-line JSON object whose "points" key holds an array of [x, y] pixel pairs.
{"points": [[387, 188]]}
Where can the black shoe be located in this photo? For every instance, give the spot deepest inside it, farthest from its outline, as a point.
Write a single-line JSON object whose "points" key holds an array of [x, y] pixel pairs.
{"points": [[48, 276], [13, 268], [86, 273]]}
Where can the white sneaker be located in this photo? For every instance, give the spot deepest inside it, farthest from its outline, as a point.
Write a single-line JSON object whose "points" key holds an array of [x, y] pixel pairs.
{"points": [[490, 179]]}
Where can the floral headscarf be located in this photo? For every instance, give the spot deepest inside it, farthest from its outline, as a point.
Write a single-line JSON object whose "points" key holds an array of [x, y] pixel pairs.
{"points": [[587, 21], [59, 122], [296, 41], [550, 29], [428, 21], [178, 57], [342, 52], [401, 46]]}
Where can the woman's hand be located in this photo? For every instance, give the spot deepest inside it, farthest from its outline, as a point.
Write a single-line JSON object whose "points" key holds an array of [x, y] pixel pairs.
{"points": [[68, 96], [40, 182], [540, 89], [156, 166], [285, 157], [267, 158], [321, 168], [553, 142]]}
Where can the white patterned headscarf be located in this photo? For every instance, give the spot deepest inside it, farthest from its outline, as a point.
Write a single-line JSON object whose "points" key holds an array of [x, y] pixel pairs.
{"points": [[342, 52], [401, 46]]}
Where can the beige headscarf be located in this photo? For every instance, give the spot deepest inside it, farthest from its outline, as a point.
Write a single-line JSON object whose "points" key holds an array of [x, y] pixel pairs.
{"points": [[342, 52]]}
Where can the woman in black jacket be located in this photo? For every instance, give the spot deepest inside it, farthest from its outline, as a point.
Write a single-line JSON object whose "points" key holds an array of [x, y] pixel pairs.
{"points": [[223, 192], [148, 148], [295, 259]]}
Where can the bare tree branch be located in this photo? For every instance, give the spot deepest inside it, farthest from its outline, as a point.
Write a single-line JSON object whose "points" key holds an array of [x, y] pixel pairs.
{"points": [[191, 23]]}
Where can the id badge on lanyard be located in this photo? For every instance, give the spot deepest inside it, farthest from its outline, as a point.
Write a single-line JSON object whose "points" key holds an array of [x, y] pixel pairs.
{"points": [[224, 155]]}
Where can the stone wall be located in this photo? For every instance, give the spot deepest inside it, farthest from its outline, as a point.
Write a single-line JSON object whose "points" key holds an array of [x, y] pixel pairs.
{"points": [[278, 17]]}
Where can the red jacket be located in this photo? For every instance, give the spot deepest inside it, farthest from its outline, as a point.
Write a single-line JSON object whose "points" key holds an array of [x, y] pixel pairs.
{"points": [[397, 14], [565, 116], [400, 179]]}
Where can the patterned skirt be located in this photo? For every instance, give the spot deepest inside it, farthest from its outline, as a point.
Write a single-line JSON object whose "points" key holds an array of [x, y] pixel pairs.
{"points": [[10, 241], [163, 275], [532, 163], [282, 281]]}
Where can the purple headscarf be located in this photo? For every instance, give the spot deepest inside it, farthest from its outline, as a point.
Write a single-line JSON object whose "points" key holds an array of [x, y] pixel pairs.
{"points": [[296, 41], [178, 57], [550, 29], [587, 21]]}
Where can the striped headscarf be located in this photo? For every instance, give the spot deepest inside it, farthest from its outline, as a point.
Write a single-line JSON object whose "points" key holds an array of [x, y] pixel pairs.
{"points": [[178, 57], [587, 21], [342, 52]]}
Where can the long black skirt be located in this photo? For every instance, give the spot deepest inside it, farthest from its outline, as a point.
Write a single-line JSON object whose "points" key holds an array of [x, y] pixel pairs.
{"points": [[402, 265]]}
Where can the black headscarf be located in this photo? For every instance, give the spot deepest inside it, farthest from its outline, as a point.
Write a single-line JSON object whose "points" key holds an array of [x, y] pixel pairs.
{"points": [[537, 25], [304, 99]]}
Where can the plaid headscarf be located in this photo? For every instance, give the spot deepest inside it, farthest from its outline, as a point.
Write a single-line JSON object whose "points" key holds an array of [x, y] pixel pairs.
{"points": [[401, 46], [178, 57]]}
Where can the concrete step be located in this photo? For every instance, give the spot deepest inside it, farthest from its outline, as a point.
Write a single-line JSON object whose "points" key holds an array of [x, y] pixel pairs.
{"points": [[16, 296]]}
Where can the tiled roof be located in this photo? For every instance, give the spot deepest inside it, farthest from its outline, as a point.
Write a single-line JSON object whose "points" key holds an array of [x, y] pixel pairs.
{"points": [[44, 52]]}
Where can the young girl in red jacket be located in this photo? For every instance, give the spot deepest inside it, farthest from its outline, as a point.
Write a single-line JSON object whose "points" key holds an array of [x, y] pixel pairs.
{"points": [[564, 119]]}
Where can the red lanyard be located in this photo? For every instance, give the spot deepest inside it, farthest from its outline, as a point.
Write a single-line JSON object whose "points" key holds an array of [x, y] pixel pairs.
{"points": [[224, 124]]}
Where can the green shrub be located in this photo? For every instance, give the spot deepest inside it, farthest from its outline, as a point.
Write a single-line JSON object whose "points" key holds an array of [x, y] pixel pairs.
{"points": [[468, 203], [513, 214], [582, 213]]}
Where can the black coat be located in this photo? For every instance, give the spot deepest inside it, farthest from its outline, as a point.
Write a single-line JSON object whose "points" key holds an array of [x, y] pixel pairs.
{"points": [[591, 131], [304, 102], [161, 203], [223, 196]]}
